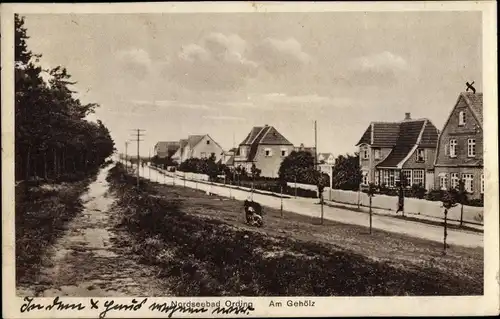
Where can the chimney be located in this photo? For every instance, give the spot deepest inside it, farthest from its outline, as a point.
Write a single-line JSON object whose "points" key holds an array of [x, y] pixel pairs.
{"points": [[407, 116]]}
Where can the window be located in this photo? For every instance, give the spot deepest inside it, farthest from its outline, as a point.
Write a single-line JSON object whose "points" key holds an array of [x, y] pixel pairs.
{"points": [[420, 155], [212, 154], [268, 152], [461, 118], [443, 181], [471, 147], [482, 183], [468, 182], [391, 178], [377, 153], [203, 155], [385, 177], [284, 152], [454, 180], [418, 177], [366, 155], [364, 179], [397, 178], [377, 177], [243, 151], [208, 142], [406, 177], [453, 148]]}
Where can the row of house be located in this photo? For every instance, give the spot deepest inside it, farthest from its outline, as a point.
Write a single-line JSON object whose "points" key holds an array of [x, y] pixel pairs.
{"points": [[413, 150], [263, 147]]}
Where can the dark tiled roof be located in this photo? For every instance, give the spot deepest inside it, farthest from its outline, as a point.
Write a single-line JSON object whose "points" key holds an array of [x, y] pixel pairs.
{"points": [[164, 146], [429, 136], [409, 132], [475, 102], [398, 153], [385, 134], [255, 144], [266, 135], [251, 136], [367, 136], [273, 137]]}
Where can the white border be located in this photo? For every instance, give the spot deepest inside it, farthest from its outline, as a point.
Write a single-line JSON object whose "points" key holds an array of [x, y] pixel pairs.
{"points": [[325, 306]]}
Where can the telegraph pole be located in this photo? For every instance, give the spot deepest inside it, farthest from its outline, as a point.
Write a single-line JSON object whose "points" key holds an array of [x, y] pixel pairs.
{"points": [[315, 145], [138, 134], [126, 158], [149, 163]]}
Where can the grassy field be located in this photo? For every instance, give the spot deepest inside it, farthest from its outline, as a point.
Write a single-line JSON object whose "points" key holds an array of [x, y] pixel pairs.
{"points": [[42, 211], [204, 249]]}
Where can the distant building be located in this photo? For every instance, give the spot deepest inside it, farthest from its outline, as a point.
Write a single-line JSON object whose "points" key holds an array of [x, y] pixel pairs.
{"points": [[166, 149], [265, 147], [326, 158], [460, 146], [197, 146], [391, 151], [228, 157], [302, 148]]}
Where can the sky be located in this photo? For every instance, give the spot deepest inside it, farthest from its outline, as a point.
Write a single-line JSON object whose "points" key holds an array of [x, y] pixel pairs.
{"points": [[220, 74]]}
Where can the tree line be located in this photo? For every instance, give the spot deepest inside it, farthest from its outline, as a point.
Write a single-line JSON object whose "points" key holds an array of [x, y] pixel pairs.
{"points": [[53, 139]]}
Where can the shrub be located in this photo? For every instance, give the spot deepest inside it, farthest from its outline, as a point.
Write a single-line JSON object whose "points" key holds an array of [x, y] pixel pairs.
{"points": [[477, 202], [417, 191], [434, 195]]}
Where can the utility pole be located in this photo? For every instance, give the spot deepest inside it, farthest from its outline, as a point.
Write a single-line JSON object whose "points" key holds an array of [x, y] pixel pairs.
{"points": [[149, 163], [138, 135], [281, 200], [331, 183], [315, 146], [126, 157]]}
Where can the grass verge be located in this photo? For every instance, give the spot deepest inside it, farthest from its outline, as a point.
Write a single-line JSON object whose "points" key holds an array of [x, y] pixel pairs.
{"points": [[204, 249]]}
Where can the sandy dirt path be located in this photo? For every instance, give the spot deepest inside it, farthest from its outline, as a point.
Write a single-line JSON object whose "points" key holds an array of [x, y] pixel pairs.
{"points": [[91, 259]]}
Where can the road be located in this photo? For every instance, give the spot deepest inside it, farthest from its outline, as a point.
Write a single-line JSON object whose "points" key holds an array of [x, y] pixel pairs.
{"points": [[309, 207]]}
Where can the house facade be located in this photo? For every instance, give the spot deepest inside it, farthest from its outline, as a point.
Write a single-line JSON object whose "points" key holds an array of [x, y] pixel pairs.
{"points": [[197, 146], [265, 147], [391, 152], [460, 147], [166, 149]]}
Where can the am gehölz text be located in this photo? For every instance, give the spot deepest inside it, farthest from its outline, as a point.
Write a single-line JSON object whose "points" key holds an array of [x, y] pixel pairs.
{"points": [[169, 308]]}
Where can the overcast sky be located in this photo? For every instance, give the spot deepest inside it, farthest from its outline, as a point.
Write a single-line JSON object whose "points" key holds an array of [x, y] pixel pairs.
{"points": [[221, 74]]}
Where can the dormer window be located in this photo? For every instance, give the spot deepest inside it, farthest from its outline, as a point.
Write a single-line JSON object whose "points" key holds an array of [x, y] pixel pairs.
{"points": [[377, 153], [420, 155], [243, 151], [461, 118]]}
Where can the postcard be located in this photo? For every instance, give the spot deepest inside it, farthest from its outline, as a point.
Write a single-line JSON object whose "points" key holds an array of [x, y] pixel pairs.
{"points": [[249, 159]]}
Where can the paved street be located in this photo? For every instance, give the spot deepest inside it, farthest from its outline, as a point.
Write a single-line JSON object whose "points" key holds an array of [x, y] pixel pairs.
{"points": [[309, 207]]}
